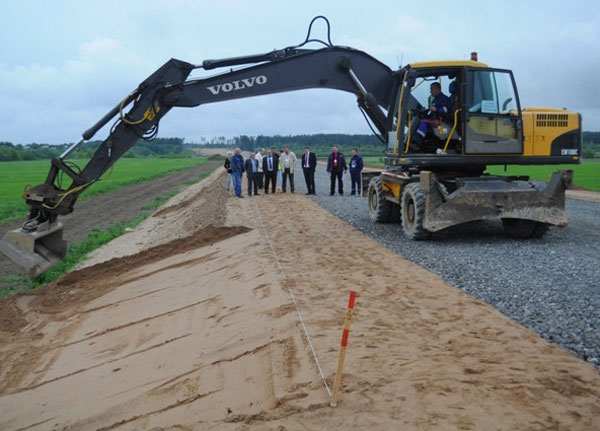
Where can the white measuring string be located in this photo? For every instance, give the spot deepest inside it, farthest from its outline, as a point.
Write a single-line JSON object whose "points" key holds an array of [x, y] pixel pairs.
{"points": [[312, 349]]}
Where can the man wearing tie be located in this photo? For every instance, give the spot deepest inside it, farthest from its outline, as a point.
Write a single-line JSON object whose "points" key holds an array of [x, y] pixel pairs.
{"points": [[270, 169], [309, 164], [336, 166], [251, 167]]}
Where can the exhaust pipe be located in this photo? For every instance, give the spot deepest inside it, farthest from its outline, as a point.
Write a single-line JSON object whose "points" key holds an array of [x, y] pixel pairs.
{"points": [[35, 252]]}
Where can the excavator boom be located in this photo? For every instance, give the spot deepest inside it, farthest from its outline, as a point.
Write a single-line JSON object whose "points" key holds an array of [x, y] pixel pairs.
{"points": [[38, 244]]}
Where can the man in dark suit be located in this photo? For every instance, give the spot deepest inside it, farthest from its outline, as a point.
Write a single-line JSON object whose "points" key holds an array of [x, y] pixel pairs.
{"points": [[309, 164], [270, 168], [336, 166], [356, 167], [251, 168]]}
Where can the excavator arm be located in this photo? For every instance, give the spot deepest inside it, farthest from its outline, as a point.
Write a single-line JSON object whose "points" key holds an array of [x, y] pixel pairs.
{"points": [[38, 245]]}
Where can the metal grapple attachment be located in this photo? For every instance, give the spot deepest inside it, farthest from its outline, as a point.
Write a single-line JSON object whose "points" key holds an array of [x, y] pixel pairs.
{"points": [[35, 252]]}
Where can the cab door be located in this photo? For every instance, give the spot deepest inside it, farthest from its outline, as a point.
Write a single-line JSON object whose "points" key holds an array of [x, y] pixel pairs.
{"points": [[491, 113]]}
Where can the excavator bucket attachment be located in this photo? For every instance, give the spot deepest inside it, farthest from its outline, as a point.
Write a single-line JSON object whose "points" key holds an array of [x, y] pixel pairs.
{"points": [[35, 252]]}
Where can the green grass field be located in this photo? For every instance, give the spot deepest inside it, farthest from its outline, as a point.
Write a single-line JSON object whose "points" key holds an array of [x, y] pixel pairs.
{"points": [[586, 175], [14, 176]]}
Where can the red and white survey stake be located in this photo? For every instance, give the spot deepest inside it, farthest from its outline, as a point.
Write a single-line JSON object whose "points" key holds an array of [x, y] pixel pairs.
{"points": [[345, 334]]}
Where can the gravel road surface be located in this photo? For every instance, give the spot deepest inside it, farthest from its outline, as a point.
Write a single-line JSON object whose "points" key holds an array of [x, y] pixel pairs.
{"points": [[551, 285]]}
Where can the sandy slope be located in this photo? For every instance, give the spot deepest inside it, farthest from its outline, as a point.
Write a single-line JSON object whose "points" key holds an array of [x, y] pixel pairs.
{"points": [[202, 334]]}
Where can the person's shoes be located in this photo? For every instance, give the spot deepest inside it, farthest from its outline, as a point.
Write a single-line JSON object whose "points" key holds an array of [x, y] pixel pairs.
{"points": [[241, 197], [342, 194], [283, 191], [352, 193], [266, 192], [256, 194], [308, 193], [292, 191], [331, 194]]}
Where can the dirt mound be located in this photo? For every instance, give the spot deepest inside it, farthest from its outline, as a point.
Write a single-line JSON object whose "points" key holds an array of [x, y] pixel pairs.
{"points": [[117, 206], [88, 283]]}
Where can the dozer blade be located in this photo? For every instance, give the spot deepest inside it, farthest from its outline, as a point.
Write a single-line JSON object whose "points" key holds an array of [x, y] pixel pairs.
{"points": [[35, 252]]}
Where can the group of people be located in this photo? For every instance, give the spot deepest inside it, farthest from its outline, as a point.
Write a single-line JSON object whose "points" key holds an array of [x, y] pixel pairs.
{"points": [[271, 170]]}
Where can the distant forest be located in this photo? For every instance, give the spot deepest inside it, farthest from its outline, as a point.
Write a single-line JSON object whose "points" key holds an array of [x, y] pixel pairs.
{"points": [[321, 144], [591, 144], [160, 147]]}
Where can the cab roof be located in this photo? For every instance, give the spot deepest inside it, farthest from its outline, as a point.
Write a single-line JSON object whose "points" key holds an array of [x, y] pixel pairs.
{"points": [[447, 63]]}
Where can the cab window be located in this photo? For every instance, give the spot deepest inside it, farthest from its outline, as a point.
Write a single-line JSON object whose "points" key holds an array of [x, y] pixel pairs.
{"points": [[492, 92]]}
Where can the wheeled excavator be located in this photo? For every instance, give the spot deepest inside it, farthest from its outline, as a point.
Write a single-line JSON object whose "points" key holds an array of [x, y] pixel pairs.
{"points": [[429, 184]]}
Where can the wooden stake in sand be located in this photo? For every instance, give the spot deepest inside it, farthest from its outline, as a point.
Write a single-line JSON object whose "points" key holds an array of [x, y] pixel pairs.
{"points": [[345, 334]]}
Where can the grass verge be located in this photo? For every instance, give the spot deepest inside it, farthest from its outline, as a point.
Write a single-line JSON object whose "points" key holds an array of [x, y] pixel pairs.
{"points": [[586, 174], [77, 252], [15, 175]]}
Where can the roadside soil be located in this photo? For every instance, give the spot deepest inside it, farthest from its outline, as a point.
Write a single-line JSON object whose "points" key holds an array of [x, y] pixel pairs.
{"points": [[104, 210], [584, 195], [201, 332]]}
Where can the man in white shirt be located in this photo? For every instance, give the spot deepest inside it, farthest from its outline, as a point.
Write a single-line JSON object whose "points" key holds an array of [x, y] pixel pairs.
{"points": [[260, 177], [288, 164]]}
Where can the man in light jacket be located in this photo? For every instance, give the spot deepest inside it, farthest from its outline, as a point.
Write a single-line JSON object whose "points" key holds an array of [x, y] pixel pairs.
{"points": [[260, 177], [288, 164]]}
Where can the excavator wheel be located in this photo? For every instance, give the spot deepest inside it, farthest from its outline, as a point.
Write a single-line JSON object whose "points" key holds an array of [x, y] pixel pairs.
{"points": [[524, 229], [540, 229], [395, 215], [413, 212], [380, 209]]}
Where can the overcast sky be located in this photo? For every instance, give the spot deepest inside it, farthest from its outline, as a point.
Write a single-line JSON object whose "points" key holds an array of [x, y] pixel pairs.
{"points": [[64, 64]]}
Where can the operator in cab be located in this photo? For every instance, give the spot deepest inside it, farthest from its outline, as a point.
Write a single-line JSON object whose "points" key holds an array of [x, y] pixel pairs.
{"points": [[439, 109]]}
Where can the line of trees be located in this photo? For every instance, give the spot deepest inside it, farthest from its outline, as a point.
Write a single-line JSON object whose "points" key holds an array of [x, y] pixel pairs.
{"points": [[591, 144], [160, 147], [320, 143]]}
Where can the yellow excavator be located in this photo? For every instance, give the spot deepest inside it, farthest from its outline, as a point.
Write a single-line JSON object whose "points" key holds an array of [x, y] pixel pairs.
{"points": [[435, 158]]}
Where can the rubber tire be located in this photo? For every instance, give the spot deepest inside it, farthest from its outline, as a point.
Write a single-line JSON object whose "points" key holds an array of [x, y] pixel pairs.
{"points": [[395, 216], [412, 212], [540, 229], [380, 209], [518, 228]]}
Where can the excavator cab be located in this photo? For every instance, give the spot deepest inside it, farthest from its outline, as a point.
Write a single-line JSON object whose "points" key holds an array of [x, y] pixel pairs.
{"points": [[481, 113]]}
